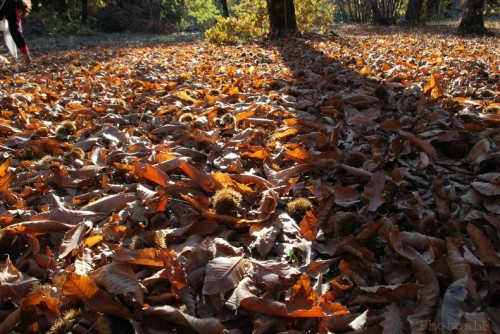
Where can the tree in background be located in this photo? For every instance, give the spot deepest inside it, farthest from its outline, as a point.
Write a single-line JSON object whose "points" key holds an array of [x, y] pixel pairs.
{"points": [[282, 20], [200, 14], [433, 8], [63, 10], [472, 21], [85, 12], [413, 14], [225, 8], [378, 11]]}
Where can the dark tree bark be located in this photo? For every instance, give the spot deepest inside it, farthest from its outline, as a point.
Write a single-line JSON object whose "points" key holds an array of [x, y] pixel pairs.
{"points": [[85, 11], [472, 21], [282, 18], [225, 8], [62, 10], [433, 8], [414, 11]]}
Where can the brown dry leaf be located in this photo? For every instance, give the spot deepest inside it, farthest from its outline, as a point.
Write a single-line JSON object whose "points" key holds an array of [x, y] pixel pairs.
{"points": [[146, 257], [12, 283], [374, 191], [95, 299], [118, 279], [485, 248], [458, 266], [10, 321], [109, 204], [72, 239], [346, 196], [203, 180], [244, 296], [479, 152], [453, 306], [223, 274], [428, 295], [487, 189], [265, 235], [441, 197], [39, 226], [423, 145], [166, 316], [392, 322], [385, 294]]}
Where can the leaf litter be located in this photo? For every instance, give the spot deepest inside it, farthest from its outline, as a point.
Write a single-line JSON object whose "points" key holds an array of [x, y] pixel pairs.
{"points": [[112, 156]]}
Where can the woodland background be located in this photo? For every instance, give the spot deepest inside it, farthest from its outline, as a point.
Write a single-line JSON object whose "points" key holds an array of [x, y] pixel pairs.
{"points": [[166, 16]]}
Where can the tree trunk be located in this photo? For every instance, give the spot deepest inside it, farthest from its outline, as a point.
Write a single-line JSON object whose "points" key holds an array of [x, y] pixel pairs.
{"points": [[85, 11], [472, 21], [282, 18], [62, 10], [414, 11], [433, 7], [225, 8]]}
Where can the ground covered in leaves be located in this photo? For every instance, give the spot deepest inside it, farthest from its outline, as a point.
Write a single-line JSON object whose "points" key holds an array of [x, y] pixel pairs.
{"points": [[311, 184]]}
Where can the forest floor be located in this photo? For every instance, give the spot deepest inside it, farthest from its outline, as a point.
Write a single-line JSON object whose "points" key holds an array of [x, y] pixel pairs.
{"points": [[160, 184]]}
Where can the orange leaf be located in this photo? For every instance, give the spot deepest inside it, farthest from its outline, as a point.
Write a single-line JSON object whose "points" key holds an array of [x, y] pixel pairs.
{"points": [[365, 70], [204, 180], [151, 173], [285, 133], [302, 289], [5, 174], [184, 96], [309, 226], [297, 155], [82, 287], [93, 240]]}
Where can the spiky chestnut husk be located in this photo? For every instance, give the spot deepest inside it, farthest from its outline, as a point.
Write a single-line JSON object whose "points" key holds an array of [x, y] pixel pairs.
{"points": [[77, 153], [354, 159], [150, 239], [65, 129], [90, 322], [348, 224], [65, 321], [136, 242], [155, 239], [227, 201], [488, 93], [491, 109], [48, 159], [43, 289], [218, 122], [187, 118], [228, 120], [298, 207]]}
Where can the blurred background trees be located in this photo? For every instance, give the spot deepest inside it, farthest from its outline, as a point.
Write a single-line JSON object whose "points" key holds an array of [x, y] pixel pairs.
{"points": [[232, 20]]}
